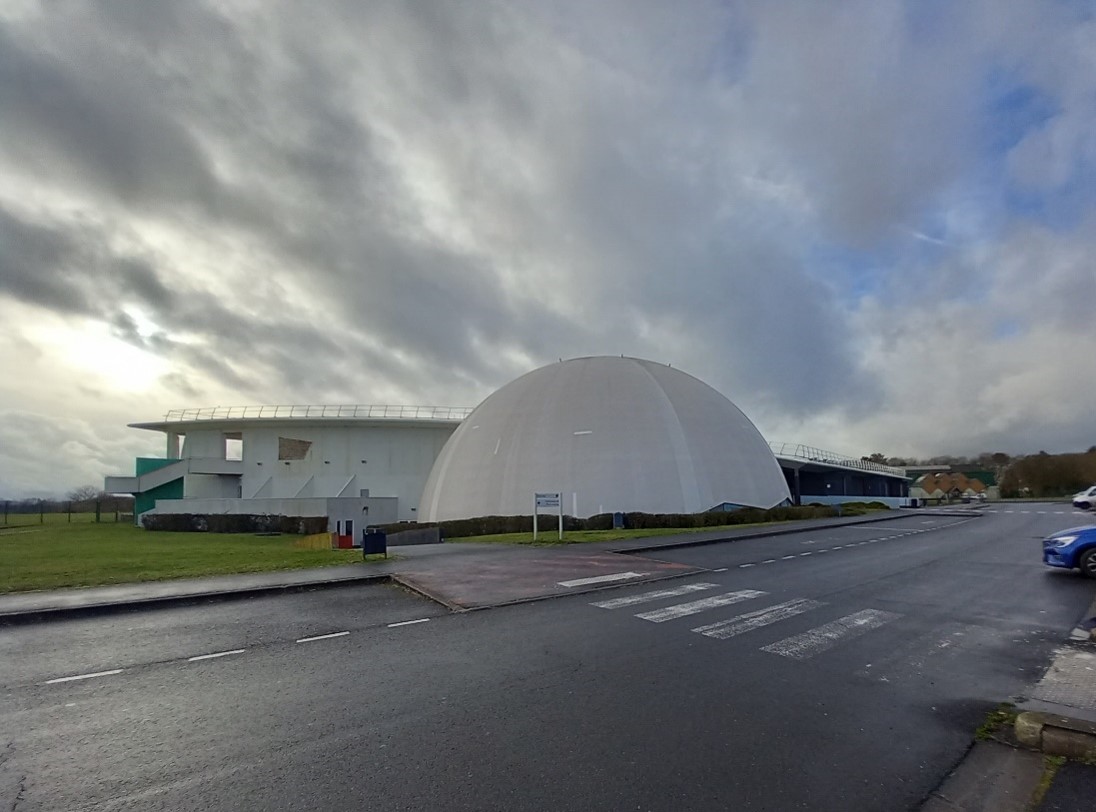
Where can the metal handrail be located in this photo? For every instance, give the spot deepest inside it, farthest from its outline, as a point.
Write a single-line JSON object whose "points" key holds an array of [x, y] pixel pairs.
{"points": [[811, 454], [331, 412]]}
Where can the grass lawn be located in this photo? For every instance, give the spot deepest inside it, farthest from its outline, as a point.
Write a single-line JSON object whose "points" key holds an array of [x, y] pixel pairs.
{"points": [[59, 554]]}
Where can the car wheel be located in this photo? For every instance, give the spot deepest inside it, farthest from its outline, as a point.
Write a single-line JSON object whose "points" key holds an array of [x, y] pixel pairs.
{"points": [[1084, 505], [1088, 563]]}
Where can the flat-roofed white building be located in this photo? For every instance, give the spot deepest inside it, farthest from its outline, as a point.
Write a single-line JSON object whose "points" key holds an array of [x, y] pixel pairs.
{"points": [[292, 460]]}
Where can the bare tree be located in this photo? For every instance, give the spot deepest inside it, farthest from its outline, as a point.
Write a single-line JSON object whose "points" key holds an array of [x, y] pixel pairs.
{"points": [[85, 493]]}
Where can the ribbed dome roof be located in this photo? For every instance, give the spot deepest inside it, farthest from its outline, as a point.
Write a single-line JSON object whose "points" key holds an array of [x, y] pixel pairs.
{"points": [[622, 434]]}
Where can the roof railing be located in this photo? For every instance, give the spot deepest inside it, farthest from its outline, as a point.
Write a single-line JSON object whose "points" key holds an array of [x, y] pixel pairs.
{"points": [[811, 454], [321, 412]]}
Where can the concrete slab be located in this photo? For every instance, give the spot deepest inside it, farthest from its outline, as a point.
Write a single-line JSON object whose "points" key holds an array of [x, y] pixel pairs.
{"points": [[992, 778], [1071, 678], [479, 580]]}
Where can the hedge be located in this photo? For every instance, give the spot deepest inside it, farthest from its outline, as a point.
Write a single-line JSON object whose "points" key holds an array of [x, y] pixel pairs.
{"points": [[493, 525], [235, 523]]}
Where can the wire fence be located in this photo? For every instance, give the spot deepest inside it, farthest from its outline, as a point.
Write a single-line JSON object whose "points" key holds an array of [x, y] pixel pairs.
{"points": [[23, 512]]}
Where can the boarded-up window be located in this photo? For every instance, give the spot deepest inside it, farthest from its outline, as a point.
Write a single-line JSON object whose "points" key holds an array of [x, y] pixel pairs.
{"points": [[290, 449]]}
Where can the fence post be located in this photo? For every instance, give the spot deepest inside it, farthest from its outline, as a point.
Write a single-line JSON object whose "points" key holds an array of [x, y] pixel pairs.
{"points": [[98, 505], [41, 511], [70, 511]]}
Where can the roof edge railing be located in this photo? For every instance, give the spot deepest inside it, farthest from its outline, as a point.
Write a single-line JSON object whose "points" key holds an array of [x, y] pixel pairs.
{"points": [[320, 412], [811, 454]]}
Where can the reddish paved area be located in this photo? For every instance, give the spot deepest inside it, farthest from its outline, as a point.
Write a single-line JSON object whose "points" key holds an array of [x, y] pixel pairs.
{"points": [[475, 580]]}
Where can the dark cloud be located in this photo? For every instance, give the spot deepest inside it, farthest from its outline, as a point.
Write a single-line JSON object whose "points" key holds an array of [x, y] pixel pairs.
{"points": [[40, 265], [330, 201]]}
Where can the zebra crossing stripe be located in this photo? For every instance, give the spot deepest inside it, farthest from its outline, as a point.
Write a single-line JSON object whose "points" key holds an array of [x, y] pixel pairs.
{"points": [[755, 620], [644, 597], [693, 607], [806, 645]]}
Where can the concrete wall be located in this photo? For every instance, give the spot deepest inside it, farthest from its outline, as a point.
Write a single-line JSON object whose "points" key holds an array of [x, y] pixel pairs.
{"points": [[211, 486], [361, 511], [204, 443], [392, 461]]}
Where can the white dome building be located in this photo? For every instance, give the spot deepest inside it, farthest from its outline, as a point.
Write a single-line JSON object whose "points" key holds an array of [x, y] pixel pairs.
{"points": [[610, 434]]}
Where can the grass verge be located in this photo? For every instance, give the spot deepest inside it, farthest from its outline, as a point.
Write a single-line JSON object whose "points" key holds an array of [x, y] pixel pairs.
{"points": [[87, 554], [550, 538], [1000, 718]]}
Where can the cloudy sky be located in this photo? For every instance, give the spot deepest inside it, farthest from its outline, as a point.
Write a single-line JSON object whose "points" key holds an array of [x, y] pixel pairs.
{"points": [[872, 225]]}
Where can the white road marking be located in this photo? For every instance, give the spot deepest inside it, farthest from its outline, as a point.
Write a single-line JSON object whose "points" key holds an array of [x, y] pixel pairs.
{"points": [[215, 655], [721, 569], [322, 637], [408, 622], [815, 641], [83, 676], [769, 561], [603, 579], [838, 547], [822, 551], [786, 557], [755, 620], [658, 594], [744, 566], [806, 553], [692, 607]]}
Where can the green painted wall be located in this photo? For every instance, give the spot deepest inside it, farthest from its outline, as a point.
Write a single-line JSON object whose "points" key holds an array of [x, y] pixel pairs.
{"points": [[170, 490], [146, 464]]}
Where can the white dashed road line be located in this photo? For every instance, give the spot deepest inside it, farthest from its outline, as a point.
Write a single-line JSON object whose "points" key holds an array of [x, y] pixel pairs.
{"points": [[83, 676], [408, 622], [215, 655], [322, 637], [841, 546]]}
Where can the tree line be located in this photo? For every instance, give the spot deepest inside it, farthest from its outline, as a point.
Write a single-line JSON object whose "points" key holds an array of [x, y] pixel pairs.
{"points": [[85, 499], [1035, 475]]}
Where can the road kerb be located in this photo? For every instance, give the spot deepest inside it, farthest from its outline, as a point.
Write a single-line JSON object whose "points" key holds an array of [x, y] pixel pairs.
{"points": [[1057, 735], [1085, 630], [50, 613]]}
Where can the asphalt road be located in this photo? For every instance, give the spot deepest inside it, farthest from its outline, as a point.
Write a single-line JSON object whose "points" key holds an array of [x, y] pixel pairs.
{"points": [[845, 670]]}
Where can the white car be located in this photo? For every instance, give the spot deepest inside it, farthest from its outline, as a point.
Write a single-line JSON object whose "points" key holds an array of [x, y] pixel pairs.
{"points": [[1085, 499]]}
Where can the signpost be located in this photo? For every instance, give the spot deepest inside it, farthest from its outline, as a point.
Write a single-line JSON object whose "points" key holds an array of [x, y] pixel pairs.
{"points": [[547, 500]]}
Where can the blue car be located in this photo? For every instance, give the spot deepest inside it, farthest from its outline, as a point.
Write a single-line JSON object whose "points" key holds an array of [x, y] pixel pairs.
{"points": [[1072, 549]]}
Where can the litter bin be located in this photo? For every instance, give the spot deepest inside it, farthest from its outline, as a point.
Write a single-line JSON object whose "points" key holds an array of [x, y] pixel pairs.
{"points": [[374, 542]]}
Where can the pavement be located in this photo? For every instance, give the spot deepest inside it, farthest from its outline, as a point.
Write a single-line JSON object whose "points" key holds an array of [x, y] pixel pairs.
{"points": [[1014, 770], [460, 576], [1045, 761]]}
